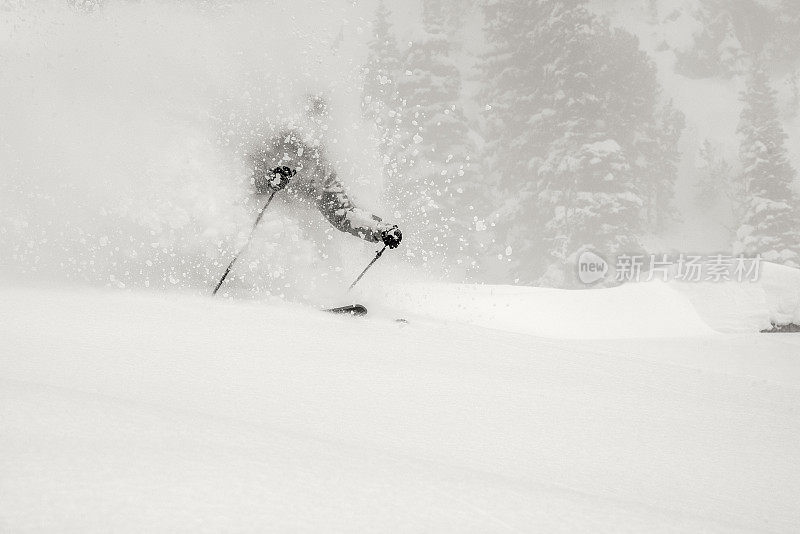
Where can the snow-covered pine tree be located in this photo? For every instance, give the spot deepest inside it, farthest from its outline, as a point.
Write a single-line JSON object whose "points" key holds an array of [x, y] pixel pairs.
{"points": [[649, 132], [587, 182], [658, 165], [717, 48], [453, 15], [714, 181], [436, 191], [784, 43], [571, 102], [511, 70], [770, 215]]}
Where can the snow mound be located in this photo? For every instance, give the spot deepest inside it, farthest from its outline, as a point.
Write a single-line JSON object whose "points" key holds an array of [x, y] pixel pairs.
{"points": [[653, 309], [631, 311], [740, 307]]}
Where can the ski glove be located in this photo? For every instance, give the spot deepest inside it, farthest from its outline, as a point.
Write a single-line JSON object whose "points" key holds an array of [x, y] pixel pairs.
{"points": [[280, 177], [392, 236]]}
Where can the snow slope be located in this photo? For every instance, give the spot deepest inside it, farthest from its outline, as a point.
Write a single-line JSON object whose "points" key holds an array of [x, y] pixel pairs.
{"points": [[163, 412]]}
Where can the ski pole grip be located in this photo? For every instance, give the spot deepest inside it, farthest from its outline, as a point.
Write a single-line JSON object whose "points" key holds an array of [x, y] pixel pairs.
{"points": [[280, 177]]}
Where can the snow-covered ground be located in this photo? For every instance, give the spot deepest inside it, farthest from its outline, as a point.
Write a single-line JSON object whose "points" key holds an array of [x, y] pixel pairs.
{"points": [[126, 411]]}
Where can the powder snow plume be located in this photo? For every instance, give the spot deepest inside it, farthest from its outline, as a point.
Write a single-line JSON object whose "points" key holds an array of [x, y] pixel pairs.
{"points": [[125, 130]]}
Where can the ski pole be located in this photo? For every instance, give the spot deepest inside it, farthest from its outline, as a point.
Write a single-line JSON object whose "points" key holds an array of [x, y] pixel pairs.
{"points": [[378, 255], [247, 243]]}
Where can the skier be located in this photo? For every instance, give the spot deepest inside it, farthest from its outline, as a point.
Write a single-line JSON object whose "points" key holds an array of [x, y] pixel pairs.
{"points": [[316, 180], [316, 183]]}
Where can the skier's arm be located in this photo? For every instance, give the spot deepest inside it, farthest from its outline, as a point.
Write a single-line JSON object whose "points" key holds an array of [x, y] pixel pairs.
{"points": [[328, 192], [336, 206]]}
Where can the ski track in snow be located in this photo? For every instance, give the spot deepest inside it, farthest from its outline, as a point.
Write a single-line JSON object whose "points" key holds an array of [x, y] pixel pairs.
{"points": [[131, 412]]}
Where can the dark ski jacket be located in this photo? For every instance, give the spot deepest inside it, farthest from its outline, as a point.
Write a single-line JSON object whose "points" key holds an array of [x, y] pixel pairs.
{"points": [[315, 181]]}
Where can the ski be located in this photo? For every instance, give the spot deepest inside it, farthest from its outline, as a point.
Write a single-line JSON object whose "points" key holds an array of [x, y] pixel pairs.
{"points": [[355, 310]]}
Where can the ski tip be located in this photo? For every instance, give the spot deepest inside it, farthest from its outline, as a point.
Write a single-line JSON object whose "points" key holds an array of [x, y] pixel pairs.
{"points": [[352, 309]]}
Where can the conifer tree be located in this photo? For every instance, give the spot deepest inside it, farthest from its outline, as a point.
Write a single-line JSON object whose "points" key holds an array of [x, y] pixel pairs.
{"points": [[511, 71], [658, 168], [770, 216], [714, 182], [718, 49], [785, 39], [572, 102]]}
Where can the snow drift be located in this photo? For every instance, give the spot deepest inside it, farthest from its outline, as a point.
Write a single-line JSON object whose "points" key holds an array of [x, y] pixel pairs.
{"points": [[633, 310]]}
